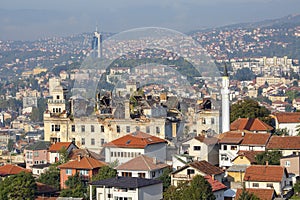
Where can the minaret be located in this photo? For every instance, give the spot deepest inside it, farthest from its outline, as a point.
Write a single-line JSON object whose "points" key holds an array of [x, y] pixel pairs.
{"points": [[225, 101]]}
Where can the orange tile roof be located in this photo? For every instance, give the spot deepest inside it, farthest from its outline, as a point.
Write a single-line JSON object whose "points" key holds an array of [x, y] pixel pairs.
{"points": [[256, 139], [263, 194], [288, 117], [250, 155], [215, 184], [207, 140], [250, 124], [135, 140], [59, 145], [142, 163], [83, 163], [286, 142], [273, 173], [9, 169]]}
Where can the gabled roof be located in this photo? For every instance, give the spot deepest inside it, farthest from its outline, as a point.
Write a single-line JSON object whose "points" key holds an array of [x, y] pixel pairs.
{"points": [[250, 124], [263, 194], [9, 169], [215, 184], [40, 145], [59, 145], [286, 142], [83, 153], [202, 166], [288, 117], [142, 163], [272, 173], [126, 182], [137, 139], [250, 155], [83, 163]]}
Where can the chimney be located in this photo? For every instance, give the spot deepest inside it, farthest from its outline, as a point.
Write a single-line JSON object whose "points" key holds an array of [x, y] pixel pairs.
{"points": [[243, 133], [267, 163], [213, 177], [78, 157], [174, 129], [155, 160]]}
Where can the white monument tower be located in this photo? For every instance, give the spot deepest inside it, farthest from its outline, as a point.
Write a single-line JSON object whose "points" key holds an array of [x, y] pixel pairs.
{"points": [[225, 101], [97, 43]]}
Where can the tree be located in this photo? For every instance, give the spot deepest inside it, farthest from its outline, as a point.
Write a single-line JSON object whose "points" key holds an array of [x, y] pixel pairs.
{"points": [[273, 157], [63, 155], [105, 172], [166, 178], [297, 188], [10, 145], [245, 195], [51, 177], [20, 187], [282, 131], [248, 108], [75, 186]]}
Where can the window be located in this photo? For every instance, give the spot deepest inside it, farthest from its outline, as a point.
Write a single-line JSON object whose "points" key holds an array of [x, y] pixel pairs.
{"points": [[82, 141], [73, 140], [84, 172], [36, 154], [92, 128], [190, 171], [224, 157], [118, 129], [102, 129], [57, 96], [153, 174], [233, 147], [68, 171], [127, 129], [225, 147], [109, 196], [141, 175], [127, 174], [57, 127], [203, 121], [212, 120], [137, 128], [73, 128], [270, 185], [82, 128], [287, 163], [102, 142], [147, 129], [255, 185], [93, 141], [197, 148], [111, 154], [157, 130]]}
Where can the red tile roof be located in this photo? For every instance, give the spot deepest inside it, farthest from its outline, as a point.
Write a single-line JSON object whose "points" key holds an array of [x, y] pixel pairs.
{"points": [[250, 124], [263, 194], [286, 142], [135, 140], [250, 155], [205, 167], [207, 140], [83, 163], [9, 169], [288, 117], [256, 139], [142, 163], [272, 173], [215, 184], [59, 145]]}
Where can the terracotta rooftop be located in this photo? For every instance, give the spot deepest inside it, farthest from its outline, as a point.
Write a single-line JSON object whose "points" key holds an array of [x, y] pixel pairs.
{"points": [[288, 117], [59, 145], [202, 166], [272, 173], [207, 140], [250, 124], [256, 139], [215, 184], [83, 153], [142, 163], [135, 140], [9, 169], [250, 155], [83, 163], [286, 142], [263, 194]]}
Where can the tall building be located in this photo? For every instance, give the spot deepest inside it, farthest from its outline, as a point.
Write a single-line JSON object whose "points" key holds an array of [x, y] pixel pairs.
{"points": [[225, 101], [97, 44]]}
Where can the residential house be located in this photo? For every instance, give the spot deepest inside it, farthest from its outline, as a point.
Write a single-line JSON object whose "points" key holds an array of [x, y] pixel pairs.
{"points": [[291, 163], [203, 148], [262, 194], [86, 167], [55, 149], [250, 124], [268, 177], [36, 153], [132, 145], [130, 188], [203, 168], [288, 121], [286, 144], [143, 167], [233, 141], [8, 169], [40, 169], [180, 160], [217, 187]]}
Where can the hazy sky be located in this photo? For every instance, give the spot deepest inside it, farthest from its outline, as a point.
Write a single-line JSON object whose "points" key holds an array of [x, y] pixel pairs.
{"points": [[33, 19]]}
